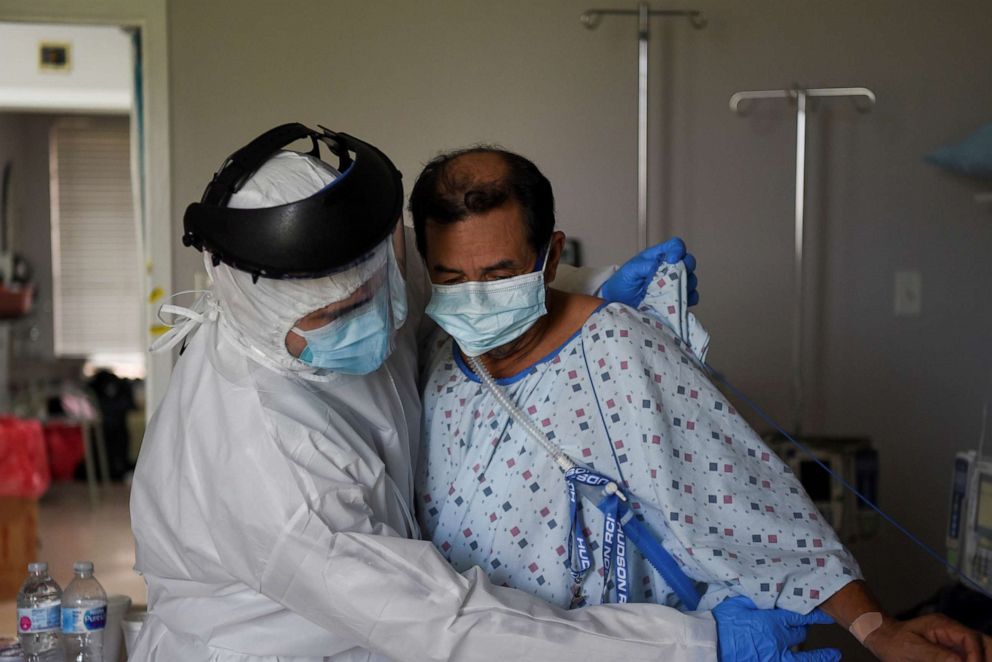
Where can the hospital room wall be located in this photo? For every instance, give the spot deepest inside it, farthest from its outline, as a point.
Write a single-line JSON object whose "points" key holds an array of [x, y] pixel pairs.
{"points": [[874, 207], [415, 78]]}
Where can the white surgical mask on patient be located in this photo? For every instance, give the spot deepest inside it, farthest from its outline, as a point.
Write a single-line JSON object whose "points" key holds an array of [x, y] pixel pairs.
{"points": [[481, 316]]}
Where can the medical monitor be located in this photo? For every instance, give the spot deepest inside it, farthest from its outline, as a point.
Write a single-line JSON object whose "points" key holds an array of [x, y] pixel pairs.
{"points": [[970, 526], [983, 516]]}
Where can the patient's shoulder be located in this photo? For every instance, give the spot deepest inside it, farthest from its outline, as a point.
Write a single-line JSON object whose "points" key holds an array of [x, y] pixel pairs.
{"points": [[621, 316], [618, 327], [567, 315]]}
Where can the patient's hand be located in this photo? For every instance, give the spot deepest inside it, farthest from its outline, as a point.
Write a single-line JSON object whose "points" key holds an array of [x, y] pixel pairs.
{"points": [[933, 638]]}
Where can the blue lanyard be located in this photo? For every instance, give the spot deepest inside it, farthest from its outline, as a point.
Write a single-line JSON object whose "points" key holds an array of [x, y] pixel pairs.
{"points": [[614, 539], [619, 524]]}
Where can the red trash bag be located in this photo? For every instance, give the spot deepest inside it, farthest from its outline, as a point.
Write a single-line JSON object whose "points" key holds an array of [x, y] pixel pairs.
{"points": [[23, 458], [64, 442]]}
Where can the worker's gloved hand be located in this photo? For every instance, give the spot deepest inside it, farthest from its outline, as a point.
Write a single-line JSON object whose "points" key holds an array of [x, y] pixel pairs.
{"points": [[630, 283], [748, 634]]}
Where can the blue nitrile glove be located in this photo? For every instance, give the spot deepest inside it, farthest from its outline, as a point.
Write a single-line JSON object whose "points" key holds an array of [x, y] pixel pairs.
{"points": [[748, 634], [630, 283]]}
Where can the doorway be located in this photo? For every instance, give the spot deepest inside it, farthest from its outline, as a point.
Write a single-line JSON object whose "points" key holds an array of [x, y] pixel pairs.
{"points": [[70, 523]]}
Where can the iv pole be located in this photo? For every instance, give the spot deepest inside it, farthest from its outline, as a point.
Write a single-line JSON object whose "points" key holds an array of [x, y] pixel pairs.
{"points": [[738, 102], [591, 19]]}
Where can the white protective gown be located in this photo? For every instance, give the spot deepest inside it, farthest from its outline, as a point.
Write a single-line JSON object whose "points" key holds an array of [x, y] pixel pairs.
{"points": [[272, 513]]}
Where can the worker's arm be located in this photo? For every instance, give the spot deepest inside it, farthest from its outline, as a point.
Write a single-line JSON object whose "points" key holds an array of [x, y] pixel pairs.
{"points": [[400, 598], [318, 541], [933, 637]]}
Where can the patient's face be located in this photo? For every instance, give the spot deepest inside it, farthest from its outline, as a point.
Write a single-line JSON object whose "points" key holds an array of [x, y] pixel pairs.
{"points": [[483, 247]]}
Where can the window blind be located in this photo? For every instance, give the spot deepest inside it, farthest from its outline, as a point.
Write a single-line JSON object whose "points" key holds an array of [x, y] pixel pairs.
{"points": [[95, 253]]}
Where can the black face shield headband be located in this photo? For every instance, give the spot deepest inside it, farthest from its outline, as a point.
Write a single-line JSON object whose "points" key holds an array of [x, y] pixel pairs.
{"points": [[309, 238]]}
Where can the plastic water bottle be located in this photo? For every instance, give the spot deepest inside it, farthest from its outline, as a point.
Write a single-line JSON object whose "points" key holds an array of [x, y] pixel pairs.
{"points": [[84, 616], [39, 606]]}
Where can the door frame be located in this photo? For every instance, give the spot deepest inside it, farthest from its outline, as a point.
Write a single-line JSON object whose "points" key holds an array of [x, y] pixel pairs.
{"points": [[150, 16]]}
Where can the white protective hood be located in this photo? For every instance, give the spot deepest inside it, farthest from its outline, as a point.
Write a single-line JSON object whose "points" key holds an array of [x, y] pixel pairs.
{"points": [[257, 315]]}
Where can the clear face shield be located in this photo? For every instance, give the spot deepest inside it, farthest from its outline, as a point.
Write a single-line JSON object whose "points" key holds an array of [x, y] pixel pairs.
{"points": [[354, 335]]}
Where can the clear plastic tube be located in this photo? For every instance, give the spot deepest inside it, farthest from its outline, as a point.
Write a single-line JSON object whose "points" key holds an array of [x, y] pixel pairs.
{"points": [[560, 458]]}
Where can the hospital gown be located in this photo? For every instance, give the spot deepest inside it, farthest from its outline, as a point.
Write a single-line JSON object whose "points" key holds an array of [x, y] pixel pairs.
{"points": [[625, 396]]}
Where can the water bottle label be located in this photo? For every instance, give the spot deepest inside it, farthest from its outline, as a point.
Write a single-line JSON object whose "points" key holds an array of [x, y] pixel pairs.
{"points": [[42, 618], [88, 619]]}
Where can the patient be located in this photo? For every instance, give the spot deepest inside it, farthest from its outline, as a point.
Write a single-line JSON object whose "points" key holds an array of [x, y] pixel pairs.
{"points": [[620, 392]]}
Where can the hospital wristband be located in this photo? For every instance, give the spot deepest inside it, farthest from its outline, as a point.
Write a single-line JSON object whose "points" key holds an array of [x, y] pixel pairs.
{"points": [[865, 624]]}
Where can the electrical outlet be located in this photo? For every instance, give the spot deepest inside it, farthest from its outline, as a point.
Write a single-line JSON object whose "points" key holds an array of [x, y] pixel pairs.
{"points": [[909, 294]]}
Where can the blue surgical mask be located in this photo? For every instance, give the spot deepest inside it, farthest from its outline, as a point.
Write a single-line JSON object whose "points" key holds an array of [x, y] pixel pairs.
{"points": [[482, 316], [355, 344]]}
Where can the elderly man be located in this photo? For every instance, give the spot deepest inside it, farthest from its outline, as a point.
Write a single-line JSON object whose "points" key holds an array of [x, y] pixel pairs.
{"points": [[618, 392]]}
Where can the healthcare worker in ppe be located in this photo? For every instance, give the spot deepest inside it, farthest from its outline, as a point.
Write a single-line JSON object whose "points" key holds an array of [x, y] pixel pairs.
{"points": [[272, 502]]}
